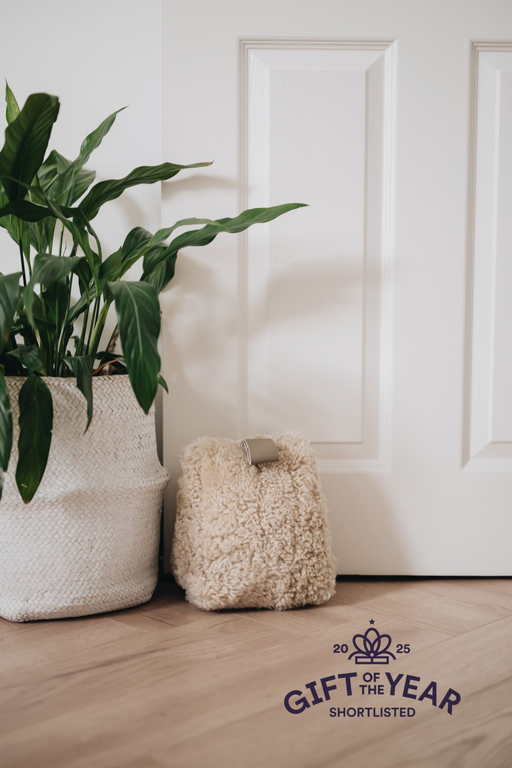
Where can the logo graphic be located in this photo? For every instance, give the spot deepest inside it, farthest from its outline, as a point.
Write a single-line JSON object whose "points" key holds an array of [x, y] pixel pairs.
{"points": [[372, 648], [379, 688]]}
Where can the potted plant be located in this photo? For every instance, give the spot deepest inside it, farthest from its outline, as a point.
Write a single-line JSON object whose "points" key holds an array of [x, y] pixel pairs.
{"points": [[76, 446]]}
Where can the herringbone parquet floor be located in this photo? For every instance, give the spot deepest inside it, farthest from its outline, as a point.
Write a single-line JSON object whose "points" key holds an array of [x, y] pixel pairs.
{"points": [[165, 684]]}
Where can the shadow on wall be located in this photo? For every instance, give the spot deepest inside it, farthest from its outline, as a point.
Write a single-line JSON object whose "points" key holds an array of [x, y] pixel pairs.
{"points": [[197, 183], [353, 500], [196, 355]]}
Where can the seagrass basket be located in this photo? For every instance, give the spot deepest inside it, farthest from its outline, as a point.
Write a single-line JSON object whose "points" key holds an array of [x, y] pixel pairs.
{"points": [[88, 541]]}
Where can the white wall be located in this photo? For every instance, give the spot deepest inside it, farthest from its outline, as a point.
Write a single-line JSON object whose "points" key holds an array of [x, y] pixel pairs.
{"points": [[96, 56]]}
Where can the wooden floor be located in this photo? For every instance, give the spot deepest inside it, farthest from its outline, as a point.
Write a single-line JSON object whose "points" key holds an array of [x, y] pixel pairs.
{"points": [[165, 684]]}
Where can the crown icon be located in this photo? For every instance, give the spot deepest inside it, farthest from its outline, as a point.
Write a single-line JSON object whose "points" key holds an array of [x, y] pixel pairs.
{"points": [[372, 648]]}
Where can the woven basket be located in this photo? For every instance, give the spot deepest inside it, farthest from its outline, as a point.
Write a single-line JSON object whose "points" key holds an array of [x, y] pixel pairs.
{"points": [[88, 541]]}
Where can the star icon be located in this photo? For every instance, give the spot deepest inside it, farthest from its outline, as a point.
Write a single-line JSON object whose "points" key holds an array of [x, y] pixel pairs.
{"points": [[372, 621]]}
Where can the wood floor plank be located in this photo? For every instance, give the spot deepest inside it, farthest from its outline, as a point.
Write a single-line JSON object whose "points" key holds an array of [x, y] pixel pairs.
{"points": [[475, 591], [312, 620], [58, 647], [483, 738], [6, 626], [432, 603], [206, 689], [273, 737]]}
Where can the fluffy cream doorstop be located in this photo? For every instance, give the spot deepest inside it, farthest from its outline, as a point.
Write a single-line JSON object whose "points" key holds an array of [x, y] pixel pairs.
{"points": [[252, 536]]}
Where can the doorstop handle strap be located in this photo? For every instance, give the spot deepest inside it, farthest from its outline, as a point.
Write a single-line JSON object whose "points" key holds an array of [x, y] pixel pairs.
{"points": [[260, 450]]}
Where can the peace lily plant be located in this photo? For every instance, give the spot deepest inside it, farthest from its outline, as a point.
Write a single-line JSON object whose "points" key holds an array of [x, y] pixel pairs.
{"points": [[45, 200]]}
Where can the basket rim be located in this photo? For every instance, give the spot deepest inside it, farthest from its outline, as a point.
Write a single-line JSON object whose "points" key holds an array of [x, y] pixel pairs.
{"points": [[66, 379]]}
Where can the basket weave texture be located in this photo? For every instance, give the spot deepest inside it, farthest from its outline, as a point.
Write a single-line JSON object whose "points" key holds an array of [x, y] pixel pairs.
{"points": [[88, 541]]}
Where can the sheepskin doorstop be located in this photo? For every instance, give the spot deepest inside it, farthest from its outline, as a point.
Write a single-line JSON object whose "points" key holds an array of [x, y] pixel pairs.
{"points": [[252, 536]]}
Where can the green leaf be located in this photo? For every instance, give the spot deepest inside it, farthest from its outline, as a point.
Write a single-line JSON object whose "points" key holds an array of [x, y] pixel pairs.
{"points": [[5, 429], [80, 236], [46, 174], [81, 367], [83, 181], [94, 139], [55, 300], [83, 271], [138, 313], [112, 267], [12, 109], [112, 188], [163, 272], [38, 311], [6, 221], [25, 210], [163, 383], [47, 269], [9, 290], [154, 260], [66, 181], [164, 233], [86, 298], [53, 166], [139, 241], [51, 170], [26, 139], [29, 357], [25, 239], [36, 424], [134, 243]]}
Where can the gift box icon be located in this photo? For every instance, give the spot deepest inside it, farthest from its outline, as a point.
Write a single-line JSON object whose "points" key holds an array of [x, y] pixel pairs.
{"points": [[372, 648]]}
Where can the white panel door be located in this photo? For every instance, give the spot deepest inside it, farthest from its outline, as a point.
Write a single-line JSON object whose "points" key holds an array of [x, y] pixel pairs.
{"points": [[378, 321]]}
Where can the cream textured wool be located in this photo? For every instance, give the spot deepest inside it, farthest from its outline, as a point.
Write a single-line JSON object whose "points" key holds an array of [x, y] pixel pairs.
{"points": [[252, 536], [88, 541]]}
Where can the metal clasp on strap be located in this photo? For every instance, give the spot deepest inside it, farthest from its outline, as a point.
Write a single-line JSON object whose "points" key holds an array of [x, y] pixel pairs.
{"points": [[260, 450]]}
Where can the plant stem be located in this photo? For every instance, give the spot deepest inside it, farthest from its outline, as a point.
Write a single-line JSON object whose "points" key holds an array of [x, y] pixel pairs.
{"points": [[80, 347], [114, 332], [38, 235], [94, 320], [23, 264], [98, 330], [61, 353]]}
